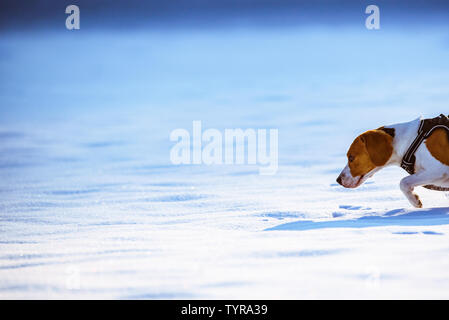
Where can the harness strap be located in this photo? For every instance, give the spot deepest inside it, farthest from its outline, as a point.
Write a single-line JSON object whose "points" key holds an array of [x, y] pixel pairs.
{"points": [[409, 159], [426, 128]]}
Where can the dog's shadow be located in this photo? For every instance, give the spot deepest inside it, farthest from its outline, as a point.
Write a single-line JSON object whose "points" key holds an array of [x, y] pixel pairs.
{"points": [[397, 217]]}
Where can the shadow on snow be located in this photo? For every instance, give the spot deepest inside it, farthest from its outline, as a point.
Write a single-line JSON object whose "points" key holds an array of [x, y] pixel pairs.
{"points": [[397, 217]]}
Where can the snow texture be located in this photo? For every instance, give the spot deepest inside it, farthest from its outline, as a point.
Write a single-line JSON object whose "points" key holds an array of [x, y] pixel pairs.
{"points": [[91, 207]]}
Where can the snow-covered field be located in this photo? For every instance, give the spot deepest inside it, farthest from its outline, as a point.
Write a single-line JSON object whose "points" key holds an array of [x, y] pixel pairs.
{"points": [[91, 207]]}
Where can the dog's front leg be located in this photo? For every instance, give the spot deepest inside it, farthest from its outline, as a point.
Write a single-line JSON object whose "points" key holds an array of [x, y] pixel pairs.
{"points": [[409, 183]]}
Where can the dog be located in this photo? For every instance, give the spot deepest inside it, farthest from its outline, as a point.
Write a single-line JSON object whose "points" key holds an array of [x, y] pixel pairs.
{"points": [[419, 146]]}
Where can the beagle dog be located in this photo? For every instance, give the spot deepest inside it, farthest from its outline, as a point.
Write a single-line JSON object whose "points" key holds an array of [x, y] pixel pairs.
{"points": [[387, 146]]}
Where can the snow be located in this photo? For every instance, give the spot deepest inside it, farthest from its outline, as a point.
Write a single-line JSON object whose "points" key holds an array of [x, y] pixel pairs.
{"points": [[91, 207]]}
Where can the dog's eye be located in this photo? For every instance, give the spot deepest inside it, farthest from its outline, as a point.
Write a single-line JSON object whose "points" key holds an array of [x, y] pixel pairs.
{"points": [[350, 158]]}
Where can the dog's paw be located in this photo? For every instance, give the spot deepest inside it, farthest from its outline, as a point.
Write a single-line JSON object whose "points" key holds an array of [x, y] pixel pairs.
{"points": [[417, 203]]}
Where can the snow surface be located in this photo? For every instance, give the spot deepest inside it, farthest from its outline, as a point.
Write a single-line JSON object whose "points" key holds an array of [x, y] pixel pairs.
{"points": [[91, 207]]}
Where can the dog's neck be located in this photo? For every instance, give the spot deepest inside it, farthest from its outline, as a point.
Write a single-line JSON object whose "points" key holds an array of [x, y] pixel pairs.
{"points": [[405, 133]]}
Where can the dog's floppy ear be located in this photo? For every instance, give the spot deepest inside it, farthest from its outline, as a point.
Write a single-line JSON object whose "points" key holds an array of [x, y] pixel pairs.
{"points": [[379, 145], [390, 131]]}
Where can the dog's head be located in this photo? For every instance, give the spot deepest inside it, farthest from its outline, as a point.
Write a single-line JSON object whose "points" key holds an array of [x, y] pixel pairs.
{"points": [[368, 154]]}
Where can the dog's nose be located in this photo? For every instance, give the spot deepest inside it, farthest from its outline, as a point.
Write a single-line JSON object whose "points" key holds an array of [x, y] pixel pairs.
{"points": [[339, 179]]}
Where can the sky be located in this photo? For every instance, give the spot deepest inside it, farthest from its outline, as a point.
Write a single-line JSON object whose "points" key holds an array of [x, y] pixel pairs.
{"points": [[25, 15]]}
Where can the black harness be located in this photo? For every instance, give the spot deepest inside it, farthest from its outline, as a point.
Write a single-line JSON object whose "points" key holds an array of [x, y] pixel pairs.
{"points": [[426, 128]]}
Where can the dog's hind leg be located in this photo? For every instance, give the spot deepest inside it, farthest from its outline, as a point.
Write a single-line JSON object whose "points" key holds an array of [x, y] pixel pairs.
{"points": [[409, 183]]}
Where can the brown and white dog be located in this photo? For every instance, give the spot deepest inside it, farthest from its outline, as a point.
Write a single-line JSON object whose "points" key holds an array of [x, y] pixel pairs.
{"points": [[386, 146]]}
